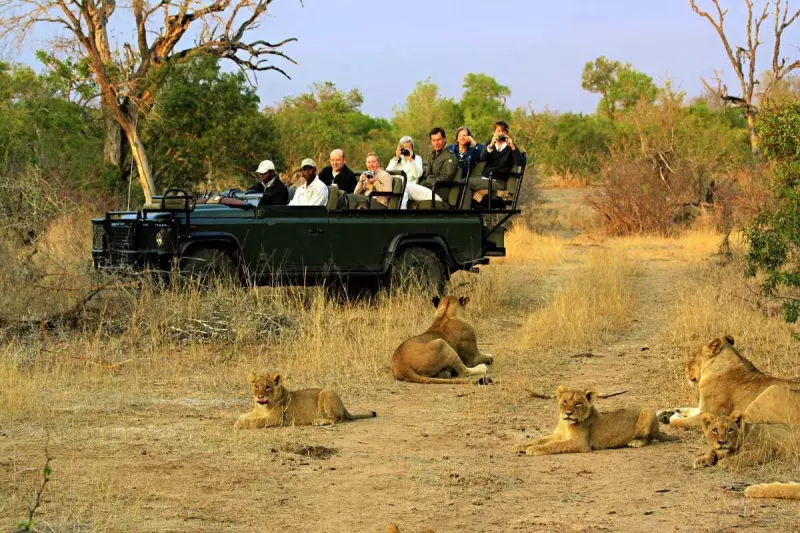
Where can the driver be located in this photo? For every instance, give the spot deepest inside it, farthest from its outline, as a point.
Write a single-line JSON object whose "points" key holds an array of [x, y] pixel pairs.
{"points": [[269, 185]]}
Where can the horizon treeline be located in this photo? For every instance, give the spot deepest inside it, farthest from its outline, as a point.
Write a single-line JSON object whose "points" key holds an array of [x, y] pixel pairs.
{"points": [[207, 130]]}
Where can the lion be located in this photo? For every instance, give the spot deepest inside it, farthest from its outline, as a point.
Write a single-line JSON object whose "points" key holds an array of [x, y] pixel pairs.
{"points": [[728, 382], [582, 428], [277, 406], [446, 353], [785, 491], [735, 444]]}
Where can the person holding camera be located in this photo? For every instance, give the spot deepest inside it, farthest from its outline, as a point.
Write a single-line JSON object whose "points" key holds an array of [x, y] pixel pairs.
{"points": [[501, 155], [406, 160], [375, 179], [467, 151]]}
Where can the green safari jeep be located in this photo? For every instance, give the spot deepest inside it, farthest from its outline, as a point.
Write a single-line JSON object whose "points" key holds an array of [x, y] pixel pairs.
{"points": [[235, 236]]}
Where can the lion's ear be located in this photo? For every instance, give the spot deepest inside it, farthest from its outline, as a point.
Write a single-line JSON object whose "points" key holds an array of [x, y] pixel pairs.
{"points": [[464, 300], [729, 339], [436, 301], [251, 377], [706, 419], [561, 390], [276, 379], [589, 393], [736, 416], [716, 346]]}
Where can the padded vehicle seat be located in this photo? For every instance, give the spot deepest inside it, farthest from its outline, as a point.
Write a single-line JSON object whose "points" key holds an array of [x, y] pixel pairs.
{"points": [[398, 190], [334, 193]]}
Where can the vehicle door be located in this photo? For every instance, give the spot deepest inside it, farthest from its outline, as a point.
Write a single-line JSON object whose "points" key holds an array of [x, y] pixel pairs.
{"points": [[293, 239]]}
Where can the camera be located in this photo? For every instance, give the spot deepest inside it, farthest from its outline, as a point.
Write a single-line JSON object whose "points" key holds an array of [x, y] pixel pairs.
{"points": [[368, 175], [405, 151], [501, 138]]}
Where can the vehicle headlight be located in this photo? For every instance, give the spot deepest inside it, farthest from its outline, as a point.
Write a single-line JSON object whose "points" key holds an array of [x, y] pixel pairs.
{"points": [[163, 238]]}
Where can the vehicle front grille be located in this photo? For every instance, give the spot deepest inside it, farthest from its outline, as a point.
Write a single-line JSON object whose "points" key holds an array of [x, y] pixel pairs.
{"points": [[98, 233], [122, 236]]}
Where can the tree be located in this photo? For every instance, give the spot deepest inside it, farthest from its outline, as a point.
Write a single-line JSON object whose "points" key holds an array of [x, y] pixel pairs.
{"points": [[775, 236], [206, 126], [620, 86], [743, 60], [424, 109], [483, 103], [125, 74], [313, 124]]}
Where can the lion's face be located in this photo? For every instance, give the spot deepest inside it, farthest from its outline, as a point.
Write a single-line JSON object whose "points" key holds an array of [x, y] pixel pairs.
{"points": [[265, 388], [723, 432], [574, 405], [693, 366]]}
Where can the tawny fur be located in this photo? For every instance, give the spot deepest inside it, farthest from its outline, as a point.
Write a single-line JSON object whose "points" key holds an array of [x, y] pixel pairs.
{"points": [[446, 353], [734, 443], [277, 406], [728, 382], [582, 428], [784, 491]]}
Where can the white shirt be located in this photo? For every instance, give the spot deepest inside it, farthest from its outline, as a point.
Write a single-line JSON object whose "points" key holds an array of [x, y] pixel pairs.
{"points": [[499, 146], [315, 193], [413, 169]]}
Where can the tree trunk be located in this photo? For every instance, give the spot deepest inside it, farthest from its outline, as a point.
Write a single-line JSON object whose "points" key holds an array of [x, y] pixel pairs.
{"points": [[754, 138], [112, 139], [142, 165]]}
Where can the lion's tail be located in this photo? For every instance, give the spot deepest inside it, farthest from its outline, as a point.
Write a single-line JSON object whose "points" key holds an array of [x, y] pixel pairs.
{"points": [[784, 491], [349, 416]]}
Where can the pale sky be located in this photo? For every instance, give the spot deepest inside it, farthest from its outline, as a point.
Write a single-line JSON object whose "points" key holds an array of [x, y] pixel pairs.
{"points": [[536, 47]]}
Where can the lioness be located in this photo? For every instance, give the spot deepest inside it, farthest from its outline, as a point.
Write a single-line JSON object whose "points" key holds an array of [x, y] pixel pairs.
{"points": [[728, 382], [582, 428], [446, 353], [735, 444], [785, 491], [278, 406]]}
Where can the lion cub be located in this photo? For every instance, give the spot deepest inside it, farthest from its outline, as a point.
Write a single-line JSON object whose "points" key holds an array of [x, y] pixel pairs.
{"points": [[278, 406], [582, 428], [734, 444]]}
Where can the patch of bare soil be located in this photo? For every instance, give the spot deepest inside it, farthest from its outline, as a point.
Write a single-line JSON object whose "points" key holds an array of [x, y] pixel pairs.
{"points": [[435, 457]]}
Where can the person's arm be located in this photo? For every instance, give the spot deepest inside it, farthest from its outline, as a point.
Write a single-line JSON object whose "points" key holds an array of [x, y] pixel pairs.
{"points": [[360, 186], [484, 152], [420, 166], [393, 164], [319, 196]]}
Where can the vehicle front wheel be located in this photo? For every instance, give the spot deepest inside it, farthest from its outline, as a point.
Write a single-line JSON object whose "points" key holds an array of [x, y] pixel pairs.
{"points": [[419, 269], [207, 266]]}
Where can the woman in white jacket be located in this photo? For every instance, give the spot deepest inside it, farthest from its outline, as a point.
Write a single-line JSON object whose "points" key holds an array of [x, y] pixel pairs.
{"points": [[405, 159]]}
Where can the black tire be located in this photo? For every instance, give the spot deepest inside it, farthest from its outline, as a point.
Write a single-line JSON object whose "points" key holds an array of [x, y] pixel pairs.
{"points": [[419, 269], [207, 266]]}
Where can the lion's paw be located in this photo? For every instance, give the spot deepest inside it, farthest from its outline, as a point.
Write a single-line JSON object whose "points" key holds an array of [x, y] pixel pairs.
{"points": [[665, 415]]}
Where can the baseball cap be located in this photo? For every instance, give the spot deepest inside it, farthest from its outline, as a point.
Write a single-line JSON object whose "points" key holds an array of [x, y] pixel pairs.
{"points": [[308, 162], [265, 166]]}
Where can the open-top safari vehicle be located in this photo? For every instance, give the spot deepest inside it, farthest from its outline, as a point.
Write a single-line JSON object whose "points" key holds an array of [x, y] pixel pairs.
{"points": [[234, 236]]}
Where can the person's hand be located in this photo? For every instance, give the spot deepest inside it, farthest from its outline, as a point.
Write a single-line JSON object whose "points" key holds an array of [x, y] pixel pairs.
{"points": [[472, 141], [510, 142], [397, 153], [494, 140]]}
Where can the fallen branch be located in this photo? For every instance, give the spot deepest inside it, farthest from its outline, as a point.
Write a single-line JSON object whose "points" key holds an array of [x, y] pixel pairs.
{"points": [[543, 396]]}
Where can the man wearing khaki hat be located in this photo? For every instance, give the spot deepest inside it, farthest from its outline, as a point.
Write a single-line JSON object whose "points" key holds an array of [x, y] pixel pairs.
{"points": [[312, 191], [269, 185]]}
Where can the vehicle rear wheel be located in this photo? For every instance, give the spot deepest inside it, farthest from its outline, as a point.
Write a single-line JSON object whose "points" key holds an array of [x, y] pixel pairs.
{"points": [[419, 269], [207, 266]]}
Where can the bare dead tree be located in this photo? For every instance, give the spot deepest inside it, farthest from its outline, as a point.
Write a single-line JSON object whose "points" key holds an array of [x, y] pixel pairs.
{"points": [[716, 94], [124, 74], [743, 58]]}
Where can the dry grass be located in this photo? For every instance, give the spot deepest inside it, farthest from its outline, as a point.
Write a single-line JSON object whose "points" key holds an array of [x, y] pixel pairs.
{"points": [[589, 308], [526, 247]]}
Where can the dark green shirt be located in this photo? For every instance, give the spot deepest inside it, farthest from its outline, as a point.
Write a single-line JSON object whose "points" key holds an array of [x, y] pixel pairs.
{"points": [[440, 166]]}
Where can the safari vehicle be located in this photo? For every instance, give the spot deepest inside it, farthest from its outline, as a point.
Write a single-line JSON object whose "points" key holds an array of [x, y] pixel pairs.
{"points": [[233, 235]]}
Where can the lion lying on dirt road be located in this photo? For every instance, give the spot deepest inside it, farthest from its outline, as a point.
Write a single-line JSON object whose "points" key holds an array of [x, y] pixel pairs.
{"points": [[446, 353], [728, 382], [784, 491], [735, 443], [278, 406], [582, 428]]}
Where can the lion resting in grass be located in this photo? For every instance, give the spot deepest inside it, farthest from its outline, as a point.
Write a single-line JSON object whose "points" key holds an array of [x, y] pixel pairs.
{"points": [[582, 428], [278, 406], [734, 443], [446, 353], [728, 382]]}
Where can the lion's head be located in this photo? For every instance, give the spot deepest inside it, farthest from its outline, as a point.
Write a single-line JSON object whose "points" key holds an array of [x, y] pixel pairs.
{"points": [[574, 405], [693, 366], [723, 432], [450, 306], [267, 389]]}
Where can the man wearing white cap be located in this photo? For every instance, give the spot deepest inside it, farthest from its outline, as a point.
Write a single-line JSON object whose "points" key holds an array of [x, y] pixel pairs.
{"points": [[312, 191], [269, 185]]}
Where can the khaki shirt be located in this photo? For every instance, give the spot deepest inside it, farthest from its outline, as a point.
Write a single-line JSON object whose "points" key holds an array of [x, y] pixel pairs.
{"points": [[441, 166]]}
